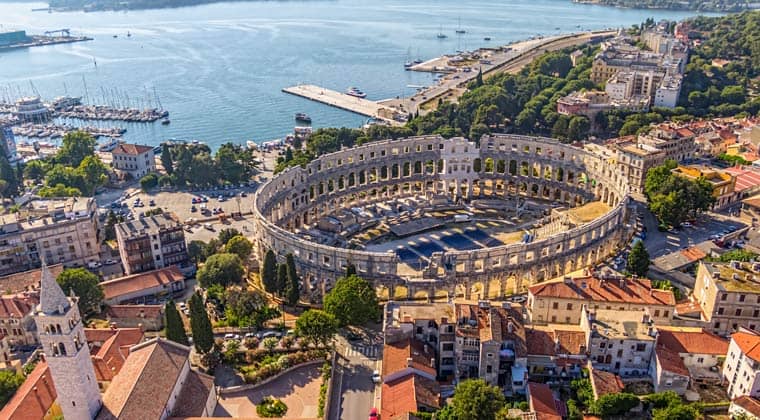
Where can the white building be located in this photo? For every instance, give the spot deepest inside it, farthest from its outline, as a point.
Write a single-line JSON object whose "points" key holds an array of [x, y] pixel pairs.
{"points": [[134, 159], [741, 370], [666, 94]]}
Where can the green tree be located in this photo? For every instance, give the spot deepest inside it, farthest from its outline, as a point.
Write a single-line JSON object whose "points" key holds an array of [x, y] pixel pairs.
{"points": [[638, 260], [75, 146], [737, 255], [226, 234], [94, 172], [294, 282], [35, 170], [245, 308], [148, 182], [613, 404], [352, 301], [270, 343], [474, 399], [676, 412], [200, 325], [196, 250], [10, 381], [578, 128], [663, 399], [59, 190], [282, 279], [85, 286], [317, 326], [239, 246], [175, 329], [166, 160], [269, 272], [223, 269], [8, 175]]}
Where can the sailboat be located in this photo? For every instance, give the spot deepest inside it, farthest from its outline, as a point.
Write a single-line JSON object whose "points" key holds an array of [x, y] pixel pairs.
{"points": [[417, 60], [441, 35], [408, 64], [459, 28]]}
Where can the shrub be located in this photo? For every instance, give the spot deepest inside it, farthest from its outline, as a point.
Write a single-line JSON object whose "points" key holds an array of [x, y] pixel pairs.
{"points": [[271, 407], [326, 371]]}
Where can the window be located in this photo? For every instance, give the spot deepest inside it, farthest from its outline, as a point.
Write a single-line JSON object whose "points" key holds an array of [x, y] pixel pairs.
{"points": [[489, 369], [602, 345], [555, 305], [569, 306], [741, 298], [666, 313], [448, 347], [657, 312], [723, 297], [700, 359], [738, 312], [720, 311], [641, 347]]}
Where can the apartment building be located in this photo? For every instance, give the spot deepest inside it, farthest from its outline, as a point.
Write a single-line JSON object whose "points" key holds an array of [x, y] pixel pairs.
{"points": [[152, 242], [619, 341], [134, 159], [433, 324], [729, 295], [561, 302], [17, 318], [490, 345], [741, 369], [722, 183], [64, 231], [677, 141], [635, 159], [686, 355], [556, 353]]}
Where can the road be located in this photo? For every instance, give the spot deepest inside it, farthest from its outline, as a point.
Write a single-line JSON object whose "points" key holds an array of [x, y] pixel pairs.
{"points": [[452, 85], [354, 394]]}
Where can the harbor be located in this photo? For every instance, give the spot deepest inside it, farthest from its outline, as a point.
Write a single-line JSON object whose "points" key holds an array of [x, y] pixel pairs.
{"points": [[19, 39], [348, 102]]}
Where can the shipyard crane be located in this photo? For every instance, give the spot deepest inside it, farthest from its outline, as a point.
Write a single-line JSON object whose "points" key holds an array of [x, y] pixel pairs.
{"points": [[63, 32]]}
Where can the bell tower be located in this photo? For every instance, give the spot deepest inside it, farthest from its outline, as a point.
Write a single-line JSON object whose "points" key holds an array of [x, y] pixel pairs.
{"points": [[62, 337]]}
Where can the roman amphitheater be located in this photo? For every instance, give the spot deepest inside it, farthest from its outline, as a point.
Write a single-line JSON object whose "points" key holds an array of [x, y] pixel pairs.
{"points": [[440, 218]]}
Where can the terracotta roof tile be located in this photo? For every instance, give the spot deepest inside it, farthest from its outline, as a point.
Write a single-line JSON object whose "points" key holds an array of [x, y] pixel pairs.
{"points": [[543, 403], [192, 399], [111, 349], [17, 306], [407, 394], [544, 341], [605, 382], [130, 149], [142, 388], [591, 288], [749, 344], [693, 342], [670, 361], [749, 404], [33, 398], [26, 281], [395, 356], [112, 289]]}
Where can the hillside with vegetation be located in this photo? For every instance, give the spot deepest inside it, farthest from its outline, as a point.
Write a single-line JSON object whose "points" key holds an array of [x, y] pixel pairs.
{"points": [[698, 5]]}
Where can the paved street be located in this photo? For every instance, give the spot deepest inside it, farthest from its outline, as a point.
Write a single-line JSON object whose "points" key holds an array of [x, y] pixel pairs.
{"points": [[354, 393]]}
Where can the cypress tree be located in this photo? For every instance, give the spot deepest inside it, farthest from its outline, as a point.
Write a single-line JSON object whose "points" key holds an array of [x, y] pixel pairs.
{"points": [[638, 260], [175, 330], [282, 278], [166, 160], [203, 335], [294, 283], [269, 272]]}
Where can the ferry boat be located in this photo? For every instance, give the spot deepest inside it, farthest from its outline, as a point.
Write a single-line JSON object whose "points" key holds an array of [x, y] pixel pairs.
{"points": [[63, 102], [301, 117], [352, 91]]}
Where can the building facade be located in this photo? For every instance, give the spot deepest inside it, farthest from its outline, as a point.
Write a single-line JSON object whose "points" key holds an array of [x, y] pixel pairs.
{"points": [[152, 242], [60, 231], [134, 159], [741, 370], [729, 295]]}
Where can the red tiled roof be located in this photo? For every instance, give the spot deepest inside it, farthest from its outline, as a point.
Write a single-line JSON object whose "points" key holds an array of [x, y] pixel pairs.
{"points": [[688, 308], [17, 306], [749, 404], [591, 288], [395, 356], [746, 177], [109, 357], [693, 342], [130, 149], [693, 254], [749, 344], [604, 383], [141, 281], [142, 388], [544, 342], [542, 402], [26, 281], [407, 394], [670, 361], [33, 398]]}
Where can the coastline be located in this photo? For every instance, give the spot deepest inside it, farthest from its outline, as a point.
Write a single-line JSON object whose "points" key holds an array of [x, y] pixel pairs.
{"points": [[690, 7]]}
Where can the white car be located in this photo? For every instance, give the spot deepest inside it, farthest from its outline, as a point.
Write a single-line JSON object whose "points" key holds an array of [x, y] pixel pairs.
{"points": [[111, 262], [93, 264], [376, 378]]}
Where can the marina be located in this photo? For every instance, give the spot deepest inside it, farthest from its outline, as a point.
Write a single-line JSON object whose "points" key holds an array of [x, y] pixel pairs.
{"points": [[347, 102], [19, 39]]}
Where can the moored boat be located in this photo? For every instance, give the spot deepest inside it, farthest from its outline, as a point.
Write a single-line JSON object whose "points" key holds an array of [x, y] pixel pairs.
{"points": [[352, 91], [302, 117]]}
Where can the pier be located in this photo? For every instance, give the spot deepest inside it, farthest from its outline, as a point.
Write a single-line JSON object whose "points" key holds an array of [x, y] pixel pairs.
{"points": [[356, 105]]}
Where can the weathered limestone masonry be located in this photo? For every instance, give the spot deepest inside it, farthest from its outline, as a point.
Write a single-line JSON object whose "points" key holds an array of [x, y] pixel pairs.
{"points": [[501, 167]]}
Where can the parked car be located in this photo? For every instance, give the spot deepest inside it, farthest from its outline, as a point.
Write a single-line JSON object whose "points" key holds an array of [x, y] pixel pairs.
{"points": [[93, 264], [376, 378], [152, 203], [111, 262], [208, 226]]}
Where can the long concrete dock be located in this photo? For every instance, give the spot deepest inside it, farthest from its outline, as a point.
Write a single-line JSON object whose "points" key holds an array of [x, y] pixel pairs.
{"points": [[343, 101]]}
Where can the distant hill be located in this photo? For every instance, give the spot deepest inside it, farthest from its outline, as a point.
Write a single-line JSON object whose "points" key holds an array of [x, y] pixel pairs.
{"points": [[99, 5], [699, 5]]}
